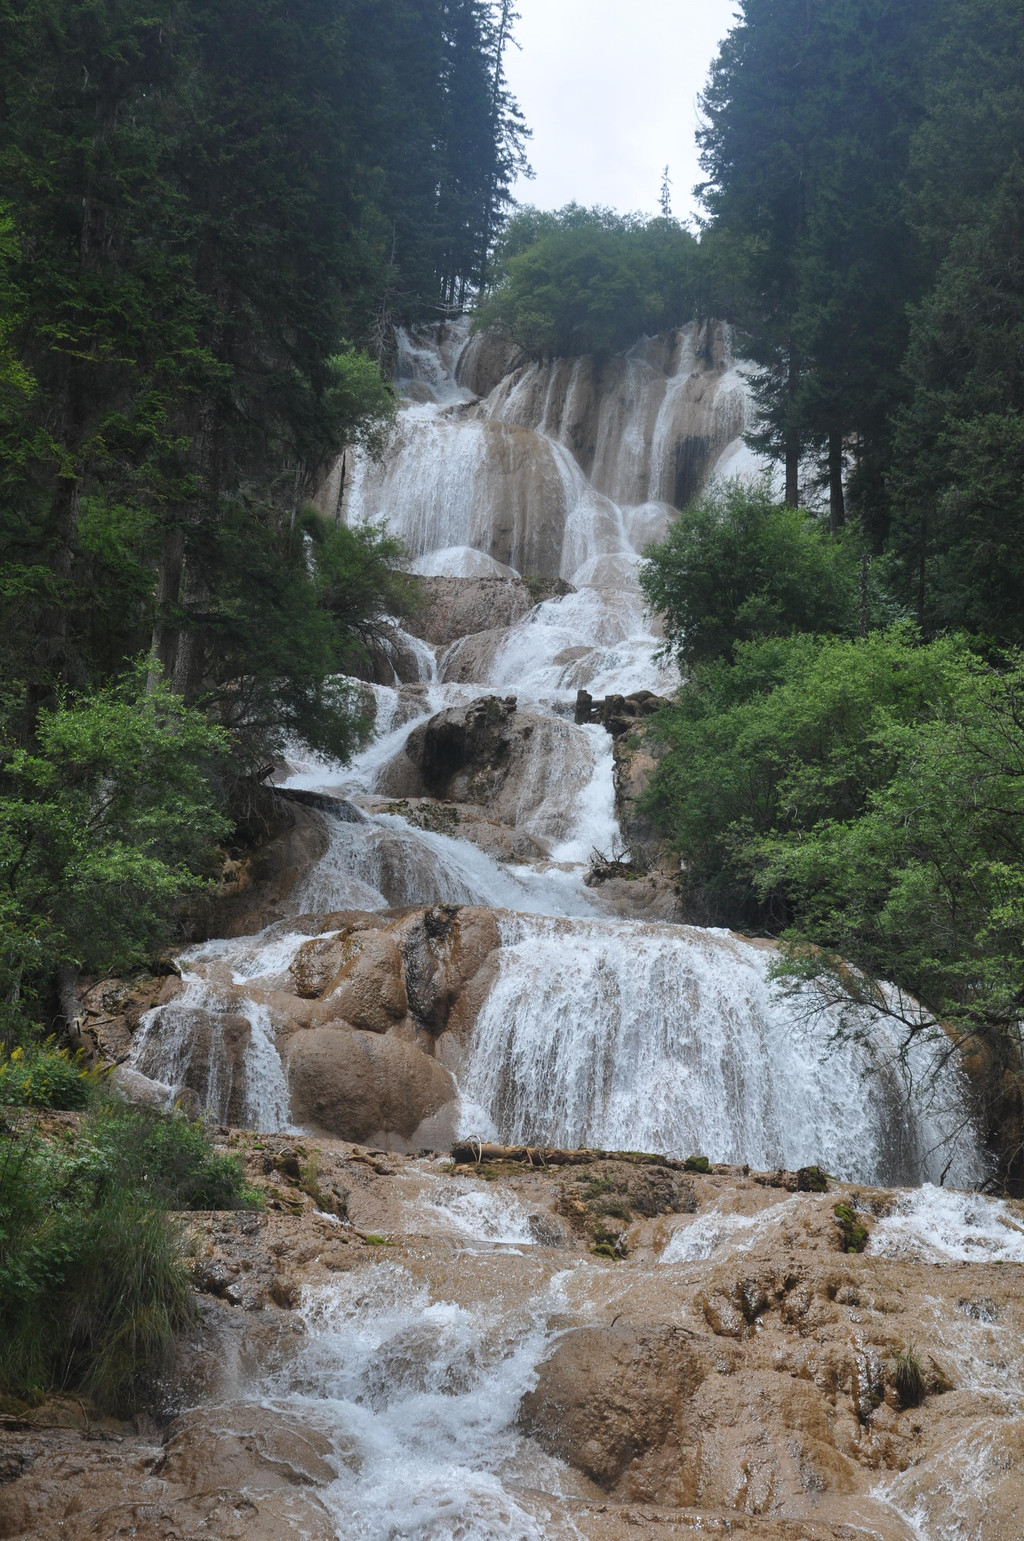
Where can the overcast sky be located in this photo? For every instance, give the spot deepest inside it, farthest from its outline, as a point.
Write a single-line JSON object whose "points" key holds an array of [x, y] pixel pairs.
{"points": [[610, 89]]}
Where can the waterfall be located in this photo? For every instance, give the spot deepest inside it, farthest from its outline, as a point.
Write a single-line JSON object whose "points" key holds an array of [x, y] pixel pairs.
{"points": [[619, 1035], [607, 1032]]}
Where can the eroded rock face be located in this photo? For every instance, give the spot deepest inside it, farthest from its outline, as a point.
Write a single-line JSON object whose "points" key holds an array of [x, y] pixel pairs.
{"points": [[492, 754], [361, 1086], [456, 607], [741, 1387]]}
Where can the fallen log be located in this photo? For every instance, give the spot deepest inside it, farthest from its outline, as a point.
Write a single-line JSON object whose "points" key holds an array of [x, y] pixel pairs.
{"points": [[475, 1152]]}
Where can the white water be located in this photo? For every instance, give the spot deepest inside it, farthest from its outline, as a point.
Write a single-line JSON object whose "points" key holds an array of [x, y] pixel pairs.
{"points": [[621, 1035], [715, 1233], [418, 1397], [609, 1033], [935, 1225]]}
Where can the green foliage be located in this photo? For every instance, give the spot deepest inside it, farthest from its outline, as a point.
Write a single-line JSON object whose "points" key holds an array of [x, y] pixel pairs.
{"points": [[958, 526], [863, 798], [735, 567], [104, 825], [93, 1285], [924, 886], [158, 1160], [43, 1076], [590, 281], [906, 1376], [853, 1233], [791, 738], [696, 1164]]}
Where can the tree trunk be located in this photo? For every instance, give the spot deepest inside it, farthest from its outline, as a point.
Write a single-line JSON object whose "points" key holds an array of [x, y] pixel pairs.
{"points": [[186, 678], [836, 499], [792, 435], [164, 646]]}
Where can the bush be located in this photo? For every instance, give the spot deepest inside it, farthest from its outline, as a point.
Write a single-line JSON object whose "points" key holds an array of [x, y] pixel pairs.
{"points": [[794, 736], [43, 1076], [735, 567], [590, 281], [161, 1161], [864, 800], [93, 1284]]}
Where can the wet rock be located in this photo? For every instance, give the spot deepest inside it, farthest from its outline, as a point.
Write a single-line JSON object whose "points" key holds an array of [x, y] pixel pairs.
{"points": [[238, 1445], [494, 755], [619, 714], [456, 607], [210, 1066], [443, 949], [368, 990], [608, 1396], [766, 1442], [464, 821], [485, 360], [414, 969], [281, 841], [388, 659], [361, 1086]]}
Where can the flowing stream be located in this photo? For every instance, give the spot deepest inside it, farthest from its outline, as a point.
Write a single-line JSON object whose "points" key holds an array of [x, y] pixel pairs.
{"points": [[597, 1030]]}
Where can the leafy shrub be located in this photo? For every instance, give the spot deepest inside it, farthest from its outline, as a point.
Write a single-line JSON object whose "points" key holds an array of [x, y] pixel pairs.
{"points": [[735, 567], [160, 1160], [43, 1076], [93, 1287], [590, 281], [795, 735]]}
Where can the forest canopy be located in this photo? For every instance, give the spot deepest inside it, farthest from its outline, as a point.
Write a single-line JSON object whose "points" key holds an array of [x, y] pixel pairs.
{"points": [[212, 219]]}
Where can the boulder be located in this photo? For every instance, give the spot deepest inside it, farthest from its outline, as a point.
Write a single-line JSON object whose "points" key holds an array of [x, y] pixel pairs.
{"points": [[364, 1087], [457, 607], [610, 1396], [443, 949], [243, 1446], [283, 838], [368, 988], [521, 766]]}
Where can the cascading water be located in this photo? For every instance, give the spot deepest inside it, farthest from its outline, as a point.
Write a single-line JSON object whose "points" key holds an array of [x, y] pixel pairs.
{"points": [[608, 1032], [414, 1369], [622, 1036]]}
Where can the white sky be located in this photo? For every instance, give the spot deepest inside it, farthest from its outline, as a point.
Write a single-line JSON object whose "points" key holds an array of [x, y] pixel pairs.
{"points": [[610, 89]]}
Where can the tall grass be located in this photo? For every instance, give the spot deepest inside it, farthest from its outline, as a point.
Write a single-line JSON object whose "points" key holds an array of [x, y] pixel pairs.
{"points": [[94, 1289]]}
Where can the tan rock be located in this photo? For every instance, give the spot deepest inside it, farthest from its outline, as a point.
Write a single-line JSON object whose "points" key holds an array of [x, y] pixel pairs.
{"points": [[368, 990], [456, 607], [240, 1445], [609, 1397], [364, 1087]]}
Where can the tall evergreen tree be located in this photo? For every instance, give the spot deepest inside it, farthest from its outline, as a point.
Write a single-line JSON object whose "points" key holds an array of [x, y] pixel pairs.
{"points": [[809, 112]]}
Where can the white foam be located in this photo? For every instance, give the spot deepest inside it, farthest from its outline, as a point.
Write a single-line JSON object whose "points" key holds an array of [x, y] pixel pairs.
{"points": [[478, 1212], [620, 1035], [937, 1224], [716, 1232], [419, 1398]]}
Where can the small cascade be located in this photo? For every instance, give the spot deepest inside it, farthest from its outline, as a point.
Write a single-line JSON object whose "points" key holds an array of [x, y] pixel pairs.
{"points": [[418, 1397], [217, 1040], [618, 1035], [384, 862]]}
